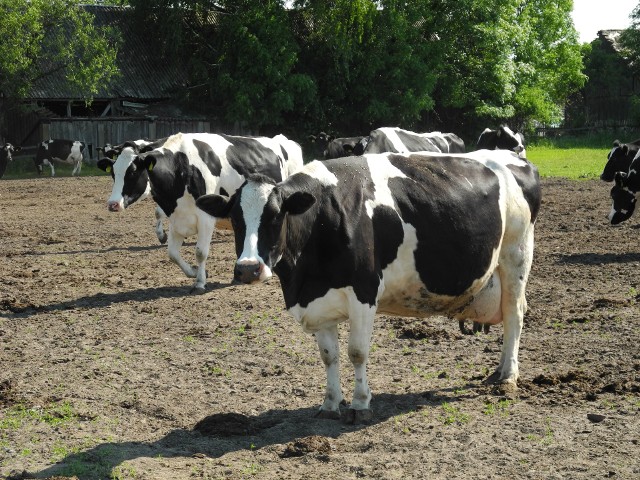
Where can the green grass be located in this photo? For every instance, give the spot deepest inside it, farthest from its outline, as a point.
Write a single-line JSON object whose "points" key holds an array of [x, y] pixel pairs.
{"points": [[575, 163], [23, 167]]}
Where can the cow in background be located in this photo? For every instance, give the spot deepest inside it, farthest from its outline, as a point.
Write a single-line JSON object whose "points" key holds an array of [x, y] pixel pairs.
{"points": [[391, 139], [132, 192], [625, 193], [184, 166], [502, 139], [5, 156], [332, 147], [619, 159], [65, 151]]}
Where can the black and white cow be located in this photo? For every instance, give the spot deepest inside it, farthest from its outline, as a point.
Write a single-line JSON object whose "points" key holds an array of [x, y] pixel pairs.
{"points": [[6, 152], [625, 193], [405, 234], [132, 191], [619, 159], [332, 147], [391, 139], [66, 151], [183, 167], [502, 139]]}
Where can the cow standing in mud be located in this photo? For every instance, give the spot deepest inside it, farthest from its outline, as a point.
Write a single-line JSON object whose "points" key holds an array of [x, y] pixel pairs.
{"points": [[413, 235]]}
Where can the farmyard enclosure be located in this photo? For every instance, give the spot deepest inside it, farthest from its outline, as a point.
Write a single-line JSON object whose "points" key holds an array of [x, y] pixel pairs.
{"points": [[111, 369]]}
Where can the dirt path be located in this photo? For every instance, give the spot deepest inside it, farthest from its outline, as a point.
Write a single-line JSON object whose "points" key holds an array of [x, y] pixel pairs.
{"points": [[110, 369]]}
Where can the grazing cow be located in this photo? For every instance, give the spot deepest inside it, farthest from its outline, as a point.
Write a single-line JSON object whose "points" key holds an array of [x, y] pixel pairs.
{"points": [[132, 192], [619, 159], [405, 234], [625, 193], [335, 147], [502, 139], [389, 139], [66, 151], [5, 156], [183, 167]]}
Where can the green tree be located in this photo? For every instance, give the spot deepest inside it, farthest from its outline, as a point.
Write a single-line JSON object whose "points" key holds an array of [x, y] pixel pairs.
{"points": [[40, 37]]}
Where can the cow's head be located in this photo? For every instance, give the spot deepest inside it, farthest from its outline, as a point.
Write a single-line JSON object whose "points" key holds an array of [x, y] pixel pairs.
{"points": [[502, 139], [623, 199], [7, 149], [321, 141], [258, 213], [130, 178], [618, 160]]}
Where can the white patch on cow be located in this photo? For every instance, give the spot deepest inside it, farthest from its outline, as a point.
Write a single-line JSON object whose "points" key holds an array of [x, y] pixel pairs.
{"points": [[252, 201], [392, 136], [381, 170], [320, 172], [120, 167]]}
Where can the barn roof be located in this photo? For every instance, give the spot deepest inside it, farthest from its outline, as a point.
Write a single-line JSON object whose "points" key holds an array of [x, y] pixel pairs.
{"points": [[142, 77]]}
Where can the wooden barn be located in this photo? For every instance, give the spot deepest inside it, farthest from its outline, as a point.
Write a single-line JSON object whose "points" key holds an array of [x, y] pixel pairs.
{"points": [[138, 104], [610, 97]]}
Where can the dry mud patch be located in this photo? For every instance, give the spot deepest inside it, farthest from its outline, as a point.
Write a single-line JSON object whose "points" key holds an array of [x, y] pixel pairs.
{"points": [[111, 369]]}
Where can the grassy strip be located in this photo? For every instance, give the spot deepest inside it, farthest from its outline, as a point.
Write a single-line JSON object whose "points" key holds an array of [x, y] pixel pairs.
{"points": [[574, 163]]}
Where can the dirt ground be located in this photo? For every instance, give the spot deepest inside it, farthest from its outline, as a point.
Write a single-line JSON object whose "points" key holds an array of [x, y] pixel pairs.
{"points": [[109, 368]]}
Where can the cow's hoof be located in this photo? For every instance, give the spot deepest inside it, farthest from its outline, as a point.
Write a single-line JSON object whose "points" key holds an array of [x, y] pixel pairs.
{"points": [[197, 290], [356, 417], [328, 414], [492, 379], [463, 328], [163, 239]]}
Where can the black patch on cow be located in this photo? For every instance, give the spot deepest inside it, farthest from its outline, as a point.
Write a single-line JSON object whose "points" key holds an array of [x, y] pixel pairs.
{"points": [[247, 155], [135, 184], [453, 204], [415, 143], [528, 179], [335, 238], [209, 157], [388, 235], [56, 148], [624, 203], [618, 160], [169, 178]]}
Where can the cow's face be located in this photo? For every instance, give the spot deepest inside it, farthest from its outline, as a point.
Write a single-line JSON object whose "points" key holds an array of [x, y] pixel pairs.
{"points": [[623, 200], [130, 179], [258, 213]]}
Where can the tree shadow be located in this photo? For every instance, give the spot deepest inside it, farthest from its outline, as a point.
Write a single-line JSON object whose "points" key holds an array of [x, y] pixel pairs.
{"points": [[222, 433]]}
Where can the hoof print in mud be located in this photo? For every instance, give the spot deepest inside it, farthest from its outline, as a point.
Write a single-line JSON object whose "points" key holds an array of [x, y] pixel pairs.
{"points": [[357, 417], [306, 445]]}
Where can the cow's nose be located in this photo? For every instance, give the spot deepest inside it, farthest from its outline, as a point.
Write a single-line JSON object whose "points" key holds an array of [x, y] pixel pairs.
{"points": [[247, 272], [113, 206]]}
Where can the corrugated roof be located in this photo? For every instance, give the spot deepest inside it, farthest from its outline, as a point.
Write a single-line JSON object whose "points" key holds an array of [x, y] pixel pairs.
{"points": [[143, 75]]}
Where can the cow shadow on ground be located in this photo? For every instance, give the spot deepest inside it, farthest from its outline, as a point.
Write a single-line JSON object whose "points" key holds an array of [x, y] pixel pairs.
{"points": [[101, 300], [598, 258], [222, 433]]}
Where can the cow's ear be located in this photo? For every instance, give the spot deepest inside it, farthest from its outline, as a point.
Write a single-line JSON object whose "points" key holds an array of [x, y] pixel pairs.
{"points": [[215, 205], [625, 148], [148, 161], [616, 143], [298, 202], [105, 164], [619, 178]]}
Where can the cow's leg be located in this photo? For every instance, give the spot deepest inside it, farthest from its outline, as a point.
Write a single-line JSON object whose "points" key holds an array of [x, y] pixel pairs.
{"points": [[361, 319], [206, 225], [327, 340], [160, 233], [76, 169], [174, 242], [515, 265], [50, 164]]}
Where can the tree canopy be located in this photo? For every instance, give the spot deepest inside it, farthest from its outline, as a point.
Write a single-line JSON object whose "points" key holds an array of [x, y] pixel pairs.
{"points": [[40, 37], [343, 65]]}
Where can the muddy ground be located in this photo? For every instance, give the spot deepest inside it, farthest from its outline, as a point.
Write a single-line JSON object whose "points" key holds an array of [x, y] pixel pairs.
{"points": [[109, 368]]}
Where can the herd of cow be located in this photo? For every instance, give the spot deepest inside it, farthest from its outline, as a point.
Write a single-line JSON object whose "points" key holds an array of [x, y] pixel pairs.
{"points": [[395, 222]]}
